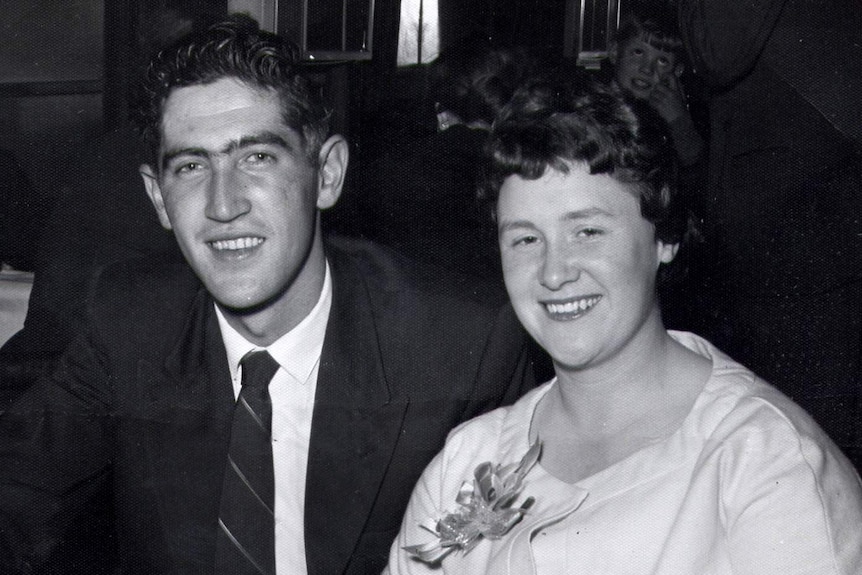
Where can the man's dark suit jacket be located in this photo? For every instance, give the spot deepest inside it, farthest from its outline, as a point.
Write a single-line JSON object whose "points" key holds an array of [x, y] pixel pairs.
{"points": [[143, 399], [100, 215]]}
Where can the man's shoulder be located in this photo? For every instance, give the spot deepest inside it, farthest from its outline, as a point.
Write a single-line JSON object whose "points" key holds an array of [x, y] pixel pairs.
{"points": [[434, 329], [386, 273], [155, 284]]}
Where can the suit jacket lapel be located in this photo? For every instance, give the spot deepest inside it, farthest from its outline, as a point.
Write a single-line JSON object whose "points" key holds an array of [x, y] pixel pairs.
{"points": [[188, 408], [355, 426], [197, 366]]}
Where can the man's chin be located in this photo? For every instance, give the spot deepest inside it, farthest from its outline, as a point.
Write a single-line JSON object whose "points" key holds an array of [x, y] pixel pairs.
{"points": [[242, 305]]}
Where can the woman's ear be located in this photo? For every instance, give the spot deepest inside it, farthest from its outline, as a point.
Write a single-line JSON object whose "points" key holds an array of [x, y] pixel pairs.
{"points": [[333, 159], [666, 252]]}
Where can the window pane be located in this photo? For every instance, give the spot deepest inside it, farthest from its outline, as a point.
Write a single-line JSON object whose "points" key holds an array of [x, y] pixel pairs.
{"points": [[418, 32], [45, 40]]}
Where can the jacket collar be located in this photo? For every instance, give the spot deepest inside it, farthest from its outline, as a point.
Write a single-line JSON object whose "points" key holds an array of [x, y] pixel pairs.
{"points": [[355, 426], [198, 361]]}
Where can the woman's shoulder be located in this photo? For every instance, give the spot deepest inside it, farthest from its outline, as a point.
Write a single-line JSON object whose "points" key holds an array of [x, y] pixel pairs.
{"points": [[739, 413], [504, 420], [497, 435]]}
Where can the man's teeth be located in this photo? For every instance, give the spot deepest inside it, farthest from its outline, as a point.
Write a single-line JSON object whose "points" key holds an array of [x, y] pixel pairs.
{"points": [[236, 244], [575, 306]]}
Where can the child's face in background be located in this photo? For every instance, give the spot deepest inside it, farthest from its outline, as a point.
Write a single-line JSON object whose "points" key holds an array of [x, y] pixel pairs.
{"points": [[639, 67]]}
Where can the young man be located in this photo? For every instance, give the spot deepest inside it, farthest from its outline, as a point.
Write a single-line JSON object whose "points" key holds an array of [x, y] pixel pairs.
{"points": [[373, 361]]}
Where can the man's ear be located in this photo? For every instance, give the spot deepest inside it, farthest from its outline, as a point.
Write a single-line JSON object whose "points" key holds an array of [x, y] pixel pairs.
{"points": [[333, 159], [666, 252], [679, 69], [154, 191]]}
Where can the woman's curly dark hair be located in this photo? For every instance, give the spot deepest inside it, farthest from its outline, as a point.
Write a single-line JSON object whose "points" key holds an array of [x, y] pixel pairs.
{"points": [[570, 118], [233, 48]]}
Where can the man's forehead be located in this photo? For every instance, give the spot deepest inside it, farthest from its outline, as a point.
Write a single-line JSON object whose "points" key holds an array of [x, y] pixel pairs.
{"points": [[213, 115], [224, 97]]}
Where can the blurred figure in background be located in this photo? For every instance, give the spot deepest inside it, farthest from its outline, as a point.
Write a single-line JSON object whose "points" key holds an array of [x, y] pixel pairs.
{"points": [[784, 199], [101, 215], [431, 207], [648, 62], [19, 215]]}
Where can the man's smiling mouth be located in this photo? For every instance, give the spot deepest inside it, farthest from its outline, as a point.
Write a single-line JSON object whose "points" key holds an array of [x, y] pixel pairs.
{"points": [[236, 244]]}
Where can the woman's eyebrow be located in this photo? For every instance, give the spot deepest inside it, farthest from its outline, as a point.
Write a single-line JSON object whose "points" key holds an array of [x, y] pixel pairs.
{"points": [[585, 213], [575, 215], [508, 225]]}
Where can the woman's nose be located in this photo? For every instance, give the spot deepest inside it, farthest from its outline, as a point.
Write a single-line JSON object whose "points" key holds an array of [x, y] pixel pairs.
{"points": [[226, 198], [558, 268]]}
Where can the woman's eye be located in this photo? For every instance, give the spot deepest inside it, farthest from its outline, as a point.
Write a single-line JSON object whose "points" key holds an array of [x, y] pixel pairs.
{"points": [[589, 233], [525, 241]]}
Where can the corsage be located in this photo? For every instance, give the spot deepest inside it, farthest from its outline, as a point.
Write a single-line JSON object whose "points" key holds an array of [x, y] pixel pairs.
{"points": [[484, 509]]}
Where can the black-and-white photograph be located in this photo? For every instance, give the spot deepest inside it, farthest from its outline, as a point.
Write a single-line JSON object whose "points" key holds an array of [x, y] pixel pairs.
{"points": [[417, 287]]}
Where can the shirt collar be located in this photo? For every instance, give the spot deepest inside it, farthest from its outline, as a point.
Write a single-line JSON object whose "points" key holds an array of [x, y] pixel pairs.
{"points": [[297, 351]]}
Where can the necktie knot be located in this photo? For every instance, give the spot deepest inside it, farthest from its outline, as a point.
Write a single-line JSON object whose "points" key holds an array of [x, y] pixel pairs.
{"points": [[258, 367]]}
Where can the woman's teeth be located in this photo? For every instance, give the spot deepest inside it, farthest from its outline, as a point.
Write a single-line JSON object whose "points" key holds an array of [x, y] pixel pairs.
{"points": [[572, 307]]}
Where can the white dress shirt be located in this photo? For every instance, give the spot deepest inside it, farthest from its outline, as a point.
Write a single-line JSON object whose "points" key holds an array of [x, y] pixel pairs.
{"points": [[292, 391]]}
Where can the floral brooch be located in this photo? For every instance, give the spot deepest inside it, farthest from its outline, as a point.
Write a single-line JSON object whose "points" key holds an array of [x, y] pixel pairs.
{"points": [[484, 509]]}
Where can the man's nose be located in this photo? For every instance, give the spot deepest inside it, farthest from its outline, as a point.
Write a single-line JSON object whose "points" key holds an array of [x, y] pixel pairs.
{"points": [[226, 198]]}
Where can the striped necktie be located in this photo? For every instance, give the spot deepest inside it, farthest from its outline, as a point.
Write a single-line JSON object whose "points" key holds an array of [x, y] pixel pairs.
{"points": [[246, 536]]}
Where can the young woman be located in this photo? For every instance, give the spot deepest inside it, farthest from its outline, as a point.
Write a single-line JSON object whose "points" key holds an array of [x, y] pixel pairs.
{"points": [[659, 454]]}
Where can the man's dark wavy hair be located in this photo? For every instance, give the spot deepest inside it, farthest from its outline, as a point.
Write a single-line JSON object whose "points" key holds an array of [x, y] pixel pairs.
{"points": [[570, 118], [233, 48]]}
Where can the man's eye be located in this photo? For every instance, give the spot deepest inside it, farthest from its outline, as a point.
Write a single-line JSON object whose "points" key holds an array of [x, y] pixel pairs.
{"points": [[664, 61], [187, 168], [258, 158]]}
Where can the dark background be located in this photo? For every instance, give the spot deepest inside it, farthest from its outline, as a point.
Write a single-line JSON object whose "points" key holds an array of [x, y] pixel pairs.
{"points": [[66, 67]]}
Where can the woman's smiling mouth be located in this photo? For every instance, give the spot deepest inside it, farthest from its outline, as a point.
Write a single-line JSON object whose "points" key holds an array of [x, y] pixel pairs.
{"points": [[572, 308]]}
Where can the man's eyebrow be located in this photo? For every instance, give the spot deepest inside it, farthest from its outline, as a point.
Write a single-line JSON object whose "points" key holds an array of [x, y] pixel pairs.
{"points": [[263, 138], [170, 155]]}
